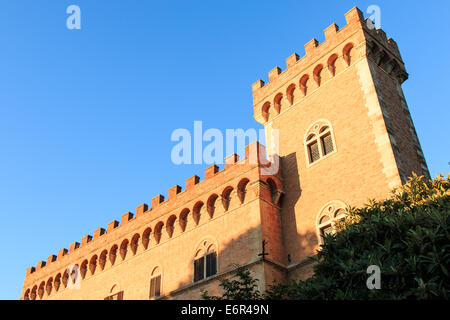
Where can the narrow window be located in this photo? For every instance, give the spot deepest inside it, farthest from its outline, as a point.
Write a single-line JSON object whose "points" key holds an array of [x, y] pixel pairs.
{"points": [[211, 264], [327, 144], [314, 154], [155, 286], [199, 266]]}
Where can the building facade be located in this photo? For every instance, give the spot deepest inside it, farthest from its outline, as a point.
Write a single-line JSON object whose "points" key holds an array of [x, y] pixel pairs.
{"points": [[344, 135]]}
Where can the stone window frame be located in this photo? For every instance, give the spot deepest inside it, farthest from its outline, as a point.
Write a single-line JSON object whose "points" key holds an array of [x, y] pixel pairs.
{"points": [[330, 211], [203, 249], [315, 134]]}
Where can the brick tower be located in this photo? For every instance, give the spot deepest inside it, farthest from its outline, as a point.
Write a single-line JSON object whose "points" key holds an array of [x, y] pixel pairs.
{"points": [[342, 132], [345, 131]]}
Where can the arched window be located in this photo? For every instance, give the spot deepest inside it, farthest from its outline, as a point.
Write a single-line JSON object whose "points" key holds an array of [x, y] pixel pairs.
{"points": [[155, 283], [328, 216], [319, 141], [115, 293], [205, 261]]}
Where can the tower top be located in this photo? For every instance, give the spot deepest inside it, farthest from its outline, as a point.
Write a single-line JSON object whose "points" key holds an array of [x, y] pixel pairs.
{"points": [[359, 33]]}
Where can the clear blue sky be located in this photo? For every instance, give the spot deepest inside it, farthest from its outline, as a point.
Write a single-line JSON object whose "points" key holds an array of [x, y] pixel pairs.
{"points": [[86, 116]]}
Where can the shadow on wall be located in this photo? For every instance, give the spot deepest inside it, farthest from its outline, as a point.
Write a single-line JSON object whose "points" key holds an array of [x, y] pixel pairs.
{"points": [[244, 250]]}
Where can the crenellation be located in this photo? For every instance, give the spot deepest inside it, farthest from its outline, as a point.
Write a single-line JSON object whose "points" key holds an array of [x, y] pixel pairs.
{"points": [[126, 218], [274, 73], [74, 246], [354, 15], [51, 258], [253, 151], [330, 31], [85, 240], [292, 60], [174, 191], [310, 46], [192, 181], [40, 265], [30, 270], [141, 209], [156, 201], [61, 253], [98, 233], [231, 160], [111, 226], [211, 171]]}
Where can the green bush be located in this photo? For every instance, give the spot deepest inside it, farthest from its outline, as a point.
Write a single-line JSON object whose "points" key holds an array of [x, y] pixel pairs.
{"points": [[407, 236]]}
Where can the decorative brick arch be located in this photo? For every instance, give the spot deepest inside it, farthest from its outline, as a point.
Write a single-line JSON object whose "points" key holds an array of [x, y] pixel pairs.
{"points": [[226, 197], [196, 211], [49, 286], [158, 231], [135, 243], [277, 102], [211, 204], [146, 237], [102, 259], [113, 254], [332, 64], [290, 93], [242, 189], [265, 110], [346, 53], [170, 225], [317, 74], [304, 84], [93, 264], [83, 268]]}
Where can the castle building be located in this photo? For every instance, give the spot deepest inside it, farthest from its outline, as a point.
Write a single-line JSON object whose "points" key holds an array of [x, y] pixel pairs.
{"points": [[345, 135]]}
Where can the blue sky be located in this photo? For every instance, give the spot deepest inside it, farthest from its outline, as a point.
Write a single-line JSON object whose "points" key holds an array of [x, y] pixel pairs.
{"points": [[86, 115]]}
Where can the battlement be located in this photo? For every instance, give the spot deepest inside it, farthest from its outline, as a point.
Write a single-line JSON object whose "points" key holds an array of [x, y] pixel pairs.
{"points": [[341, 48], [255, 159]]}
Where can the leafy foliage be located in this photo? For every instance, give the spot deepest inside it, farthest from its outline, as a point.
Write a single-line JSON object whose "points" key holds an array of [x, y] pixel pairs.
{"points": [[407, 236], [242, 287]]}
